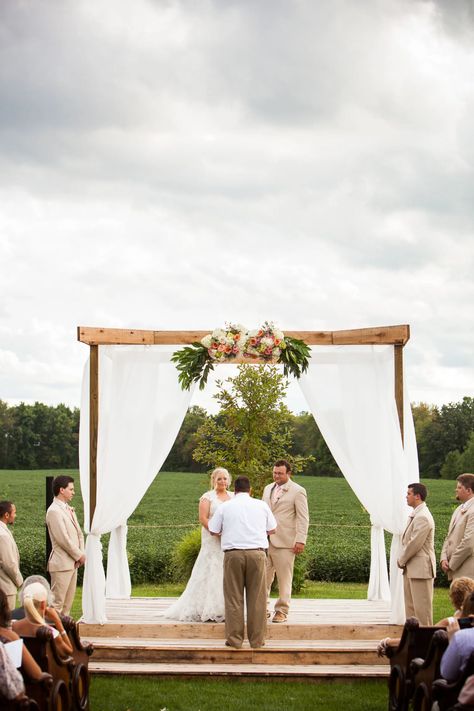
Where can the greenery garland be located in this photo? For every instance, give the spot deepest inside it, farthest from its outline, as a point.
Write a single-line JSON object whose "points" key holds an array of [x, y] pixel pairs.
{"points": [[196, 361]]}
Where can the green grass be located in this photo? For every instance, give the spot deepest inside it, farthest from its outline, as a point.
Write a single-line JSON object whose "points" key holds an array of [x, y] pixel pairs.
{"points": [[339, 537], [144, 694]]}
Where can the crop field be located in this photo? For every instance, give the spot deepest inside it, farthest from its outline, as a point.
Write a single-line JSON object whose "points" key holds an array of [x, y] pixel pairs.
{"points": [[339, 540]]}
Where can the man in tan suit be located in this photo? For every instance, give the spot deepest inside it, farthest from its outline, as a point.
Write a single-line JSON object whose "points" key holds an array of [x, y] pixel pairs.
{"points": [[10, 576], [289, 505], [457, 555], [67, 542], [417, 557]]}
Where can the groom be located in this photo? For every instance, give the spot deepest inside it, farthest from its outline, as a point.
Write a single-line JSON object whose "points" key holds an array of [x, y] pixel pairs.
{"points": [[244, 524]]}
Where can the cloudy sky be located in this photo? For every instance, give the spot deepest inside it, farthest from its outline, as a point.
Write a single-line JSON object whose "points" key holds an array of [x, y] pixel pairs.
{"points": [[168, 164]]}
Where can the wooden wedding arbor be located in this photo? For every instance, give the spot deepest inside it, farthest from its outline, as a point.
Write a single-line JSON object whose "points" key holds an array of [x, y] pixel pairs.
{"points": [[94, 337]]}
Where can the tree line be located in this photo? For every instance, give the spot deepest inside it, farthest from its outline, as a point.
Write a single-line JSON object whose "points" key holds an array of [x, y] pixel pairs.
{"points": [[41, 436]]}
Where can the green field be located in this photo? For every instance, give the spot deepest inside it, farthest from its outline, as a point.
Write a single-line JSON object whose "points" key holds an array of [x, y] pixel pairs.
{"points": [[339, 539]]}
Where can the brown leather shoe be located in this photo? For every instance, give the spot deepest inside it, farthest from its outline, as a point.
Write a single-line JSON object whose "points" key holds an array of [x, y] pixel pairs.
{"points": [[279, 616]]}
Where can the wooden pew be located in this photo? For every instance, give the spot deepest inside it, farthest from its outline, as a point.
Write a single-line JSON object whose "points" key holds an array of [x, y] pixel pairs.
{"points": [[80, 654], [425, 671], [414, 642], [446, 693], [22, 704], [44, 652]]}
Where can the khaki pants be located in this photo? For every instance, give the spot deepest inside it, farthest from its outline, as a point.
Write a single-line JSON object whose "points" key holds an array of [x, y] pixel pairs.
{"points": [[244, 571], [281, 561], [11, 600], [63, 587], [419, 599]]}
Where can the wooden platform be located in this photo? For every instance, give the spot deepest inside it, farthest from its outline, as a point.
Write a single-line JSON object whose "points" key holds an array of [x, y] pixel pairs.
{"points": [[322, 639]]}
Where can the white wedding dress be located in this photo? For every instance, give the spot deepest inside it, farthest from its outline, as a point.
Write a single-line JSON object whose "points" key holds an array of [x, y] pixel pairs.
{"points": [[203, 597]]}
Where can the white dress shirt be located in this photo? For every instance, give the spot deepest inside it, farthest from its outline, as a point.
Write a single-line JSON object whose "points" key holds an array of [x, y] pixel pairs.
{"points": [[243, 522]]}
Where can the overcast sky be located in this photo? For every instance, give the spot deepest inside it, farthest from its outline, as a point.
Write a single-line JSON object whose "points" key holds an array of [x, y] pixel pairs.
{"points": [[172, 165]]}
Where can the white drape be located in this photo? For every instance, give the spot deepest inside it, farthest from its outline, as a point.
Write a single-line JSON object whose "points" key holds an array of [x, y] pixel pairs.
{"points": [[141, 408], [350, 391]]}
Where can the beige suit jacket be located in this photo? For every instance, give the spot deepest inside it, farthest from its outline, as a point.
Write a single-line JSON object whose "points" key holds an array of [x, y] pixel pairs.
{"points": [[66, 538], [417, 554], [291, 513], [458, 547], [10, 576]]}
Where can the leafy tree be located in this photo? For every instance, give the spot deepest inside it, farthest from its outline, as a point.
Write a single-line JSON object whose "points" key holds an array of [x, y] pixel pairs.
{"points": [[253, 427], [180, 458], [452, 465], [308, 441], [466, 463]]}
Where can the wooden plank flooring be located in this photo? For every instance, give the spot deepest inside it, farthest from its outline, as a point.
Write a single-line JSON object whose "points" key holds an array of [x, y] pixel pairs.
{"points": [[322, 639]]}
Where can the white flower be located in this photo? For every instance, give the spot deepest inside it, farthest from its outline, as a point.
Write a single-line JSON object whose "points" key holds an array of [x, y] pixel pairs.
{"points": [[267, 341], [279, 334], [218, 333], [253, 333], [229, 341], [206, 341]]}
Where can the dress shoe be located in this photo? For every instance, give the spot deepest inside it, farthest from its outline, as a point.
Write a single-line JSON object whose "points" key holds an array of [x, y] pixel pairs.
{"points": [[279, 617], [228, 644]]}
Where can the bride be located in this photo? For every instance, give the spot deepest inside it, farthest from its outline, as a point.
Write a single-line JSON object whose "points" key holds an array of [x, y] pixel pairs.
{"points": [[203, 598]]}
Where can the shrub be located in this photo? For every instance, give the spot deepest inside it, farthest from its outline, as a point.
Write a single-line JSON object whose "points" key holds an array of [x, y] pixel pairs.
{"points": [[185, 554]]}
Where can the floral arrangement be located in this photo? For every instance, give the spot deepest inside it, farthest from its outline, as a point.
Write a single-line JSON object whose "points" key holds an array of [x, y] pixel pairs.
{"points": [[195, 362]]}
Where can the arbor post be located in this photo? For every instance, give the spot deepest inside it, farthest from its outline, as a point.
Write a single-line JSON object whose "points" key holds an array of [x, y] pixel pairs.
{"points": [[93, 428], [398, 357]]}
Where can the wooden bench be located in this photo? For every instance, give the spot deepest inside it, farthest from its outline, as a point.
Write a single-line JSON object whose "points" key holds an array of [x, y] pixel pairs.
{"points": [[43, 650], [80, 654], [446, 693], [425, 671], [414, 643]]}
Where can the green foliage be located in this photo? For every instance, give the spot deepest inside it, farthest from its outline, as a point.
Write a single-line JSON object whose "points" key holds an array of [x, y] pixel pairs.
{"points": [[253, 427], [338, 547], [294, 357], [180, 458], [452, 465], [185, 554], [38, 436], [440, 431], [193, 364]]}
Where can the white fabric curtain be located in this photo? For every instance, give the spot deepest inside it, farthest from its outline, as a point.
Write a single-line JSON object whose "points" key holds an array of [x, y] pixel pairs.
{"points": [[350, 391], [141, 408]]}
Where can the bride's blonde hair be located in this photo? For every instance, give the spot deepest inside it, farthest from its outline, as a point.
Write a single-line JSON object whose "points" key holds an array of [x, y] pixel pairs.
{"points": [[215, 474], [33, 596]]}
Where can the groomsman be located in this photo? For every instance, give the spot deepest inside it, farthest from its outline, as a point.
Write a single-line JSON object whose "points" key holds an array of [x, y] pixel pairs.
{"points": [[10, 576], [457, 555], [417, 557], [288, 503], [67, 542]]}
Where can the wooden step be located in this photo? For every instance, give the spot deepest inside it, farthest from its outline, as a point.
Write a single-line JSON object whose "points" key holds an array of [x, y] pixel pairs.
{"points": [[205, 651], [309, 672]]}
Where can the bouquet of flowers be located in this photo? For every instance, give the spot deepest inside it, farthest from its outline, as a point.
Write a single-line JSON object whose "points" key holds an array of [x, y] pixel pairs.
{"points": [[267, 342], [225, 343]]}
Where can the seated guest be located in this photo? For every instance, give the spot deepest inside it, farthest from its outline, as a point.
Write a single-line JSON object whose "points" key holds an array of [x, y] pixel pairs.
{"points": [[459, 590], [35, 599], [19, 612], [11, 681], [31, 668], [458, 651]]}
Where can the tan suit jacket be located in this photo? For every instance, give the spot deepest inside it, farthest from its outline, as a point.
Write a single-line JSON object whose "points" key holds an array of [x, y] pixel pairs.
{"points": [[66, 538], [10, 576], [458, 547], [291, 513], [417, 555]]}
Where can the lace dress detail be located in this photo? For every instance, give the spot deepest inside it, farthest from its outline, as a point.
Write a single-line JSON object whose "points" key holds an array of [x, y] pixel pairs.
{"points": [[203, 597]]}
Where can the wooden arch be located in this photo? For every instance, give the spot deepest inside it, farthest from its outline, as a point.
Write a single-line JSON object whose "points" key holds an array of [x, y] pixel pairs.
{"points": [[95, 337]]}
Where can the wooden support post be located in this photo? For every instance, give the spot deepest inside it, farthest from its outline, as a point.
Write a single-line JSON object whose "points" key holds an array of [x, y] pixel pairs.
{"points": [[93, 428], [398, 358]]}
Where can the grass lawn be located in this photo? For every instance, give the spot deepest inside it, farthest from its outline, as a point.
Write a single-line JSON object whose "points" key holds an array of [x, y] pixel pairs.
{"points": [[144, 694]]}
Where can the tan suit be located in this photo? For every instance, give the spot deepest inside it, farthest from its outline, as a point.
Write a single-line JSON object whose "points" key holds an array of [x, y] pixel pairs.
{"points": [[291, 513], [418, 560], [10, 576], [458, 547], [67, 547]]}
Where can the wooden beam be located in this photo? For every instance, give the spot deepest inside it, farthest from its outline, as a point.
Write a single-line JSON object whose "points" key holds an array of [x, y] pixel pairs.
{"points": [[93, 428], [398, 363], [390, 335]]}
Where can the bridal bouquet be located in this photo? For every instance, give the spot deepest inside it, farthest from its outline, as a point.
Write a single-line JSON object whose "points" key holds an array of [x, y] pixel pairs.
{"points": [[267, 343]]}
